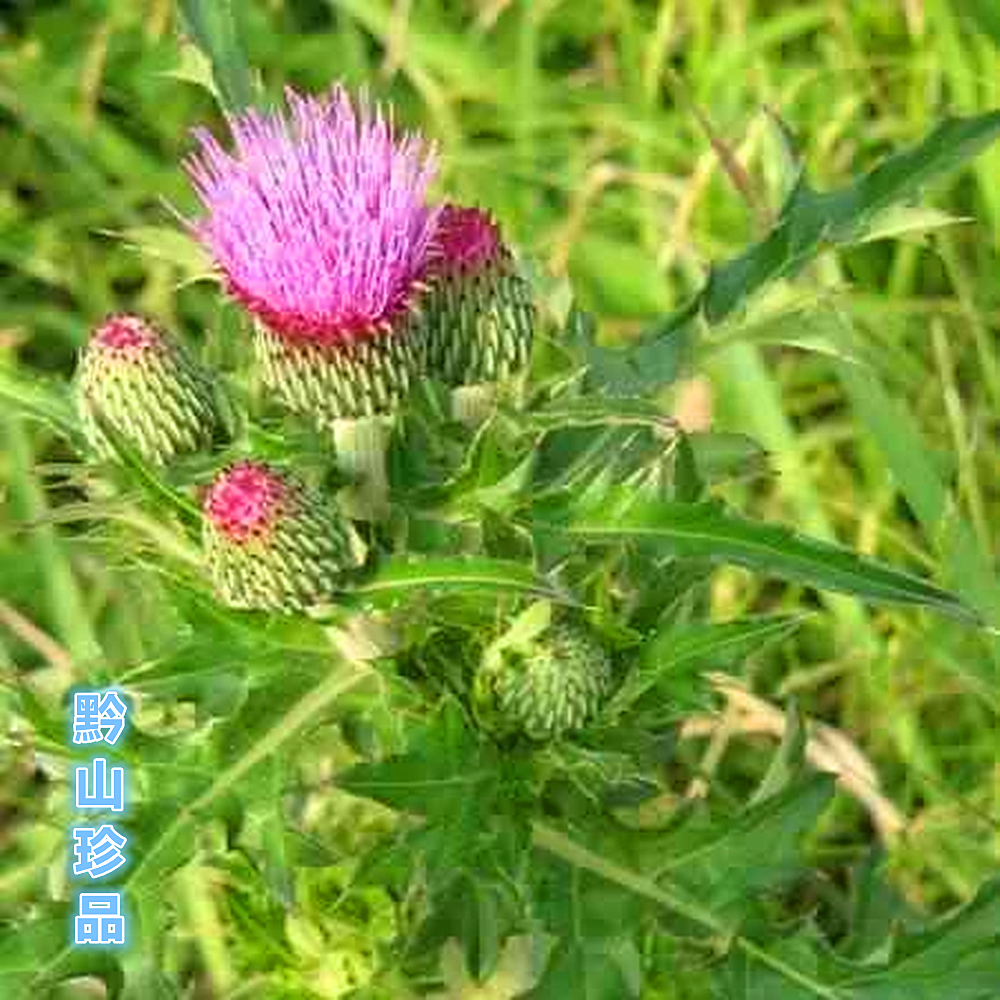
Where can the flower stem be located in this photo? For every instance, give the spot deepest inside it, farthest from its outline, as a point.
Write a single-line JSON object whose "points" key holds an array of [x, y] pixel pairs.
{"points": [[472, 404], [361, 445]]}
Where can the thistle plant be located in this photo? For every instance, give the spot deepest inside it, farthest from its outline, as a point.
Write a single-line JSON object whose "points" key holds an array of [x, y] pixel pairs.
{"points": [[318, 222], [144, 383], [451, 754]]}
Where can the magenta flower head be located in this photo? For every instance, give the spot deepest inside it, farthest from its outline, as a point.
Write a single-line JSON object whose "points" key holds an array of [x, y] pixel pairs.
{"points": [[271, 542], [318, 222], [134, 377], [480, 315]]}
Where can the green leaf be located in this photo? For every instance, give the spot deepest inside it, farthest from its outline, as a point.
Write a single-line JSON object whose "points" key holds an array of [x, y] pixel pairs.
{"points": [[789, 760], [811, 220], [656, 360], [216, 27], [452, 777], [958, 958], [595, 956], [725, 861], [448, 766], [601, 970], [708, 530], [674, 656], [403, 578], [907, 220]]}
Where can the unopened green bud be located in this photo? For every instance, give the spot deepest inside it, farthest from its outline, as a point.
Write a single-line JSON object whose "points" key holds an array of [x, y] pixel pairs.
{"points": [[148, 387], [478, 312], [544, 684]]}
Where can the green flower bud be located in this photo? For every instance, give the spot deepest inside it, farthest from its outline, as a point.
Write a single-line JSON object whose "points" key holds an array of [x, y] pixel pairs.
{"points": [[479, 314], [544, 683], [271, 543], [148, 387]]}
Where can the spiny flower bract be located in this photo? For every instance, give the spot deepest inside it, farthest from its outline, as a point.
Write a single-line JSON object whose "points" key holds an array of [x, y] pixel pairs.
{"points": [[318, 220], [545, 687], [273, 543], [479, 312], [148, 387]]}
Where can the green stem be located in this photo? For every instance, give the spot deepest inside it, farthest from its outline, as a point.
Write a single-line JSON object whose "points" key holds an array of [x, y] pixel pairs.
{"points": [[472, 404], [362, 444], [67, 608]]}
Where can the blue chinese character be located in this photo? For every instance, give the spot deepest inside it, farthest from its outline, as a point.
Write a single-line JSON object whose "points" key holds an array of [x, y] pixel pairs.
{"points": [[101, 798], [92, 714], [113, 711], [100, 920], [98, 851], [87, 717]]}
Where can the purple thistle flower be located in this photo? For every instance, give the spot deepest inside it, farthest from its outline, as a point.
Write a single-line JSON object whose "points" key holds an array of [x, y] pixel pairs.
{"points": [[317, 218]]}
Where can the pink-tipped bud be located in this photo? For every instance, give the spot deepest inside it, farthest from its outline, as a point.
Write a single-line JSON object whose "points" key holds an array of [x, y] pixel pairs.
{"points": [[144, 383], [479, 313], [271, 542]]}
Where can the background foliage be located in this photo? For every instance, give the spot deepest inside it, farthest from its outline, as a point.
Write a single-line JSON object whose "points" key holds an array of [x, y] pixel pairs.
{"points": [[624, 146]]}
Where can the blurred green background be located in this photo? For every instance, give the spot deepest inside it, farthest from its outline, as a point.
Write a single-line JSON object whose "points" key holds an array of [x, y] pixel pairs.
{"points": [[593, 130]]}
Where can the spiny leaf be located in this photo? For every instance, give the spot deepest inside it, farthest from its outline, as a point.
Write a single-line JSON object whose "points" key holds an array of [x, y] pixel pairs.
{"points": [[725, 861], [709, 530], [809, 222], [671, 656], [958, 957], [446, 761]]}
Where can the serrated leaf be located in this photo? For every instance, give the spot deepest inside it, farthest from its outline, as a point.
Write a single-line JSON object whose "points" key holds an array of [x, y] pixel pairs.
{"points": [[602, 970], [657, 360], [595, 956], [446, 767], [670, 657], [724, 862], [708, 530], [957, 958], [811, 220]]}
